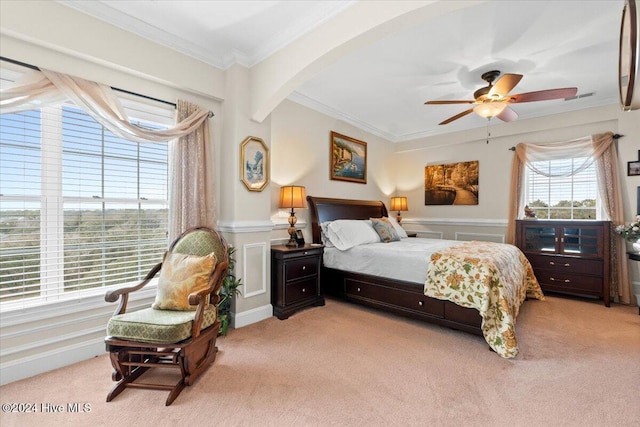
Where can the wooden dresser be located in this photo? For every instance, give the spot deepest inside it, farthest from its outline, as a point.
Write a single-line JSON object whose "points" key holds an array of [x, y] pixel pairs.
{"points": [[569, 257]]}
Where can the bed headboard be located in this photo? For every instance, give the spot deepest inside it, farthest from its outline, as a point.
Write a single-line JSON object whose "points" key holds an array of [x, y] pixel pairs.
{"points": [[328, 209]]}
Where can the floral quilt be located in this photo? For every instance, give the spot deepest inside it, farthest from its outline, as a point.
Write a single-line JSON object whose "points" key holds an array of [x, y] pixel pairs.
{"points": [[493, 278]]}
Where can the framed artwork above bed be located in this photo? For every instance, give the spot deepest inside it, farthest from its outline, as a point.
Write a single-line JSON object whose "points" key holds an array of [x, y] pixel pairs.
{"points": [[451, 183], [348, 159]]}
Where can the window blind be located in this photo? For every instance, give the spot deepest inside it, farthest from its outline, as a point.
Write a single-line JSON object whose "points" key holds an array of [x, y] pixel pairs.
{"points": [[566, 197], [80, 208]]}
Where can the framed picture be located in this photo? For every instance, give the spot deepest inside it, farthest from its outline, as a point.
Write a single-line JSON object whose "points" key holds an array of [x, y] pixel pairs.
{"points": [[254, 164], [299, 237], [451, 183], [633, 168], [348, 159]]}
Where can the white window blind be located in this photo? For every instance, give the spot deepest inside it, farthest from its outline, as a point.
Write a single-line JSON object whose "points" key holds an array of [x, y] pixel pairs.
{"points": [[566, 197], [80, 208]]}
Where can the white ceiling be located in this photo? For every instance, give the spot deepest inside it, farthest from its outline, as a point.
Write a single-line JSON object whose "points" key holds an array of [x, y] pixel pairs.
{"points": [[382, 87]]}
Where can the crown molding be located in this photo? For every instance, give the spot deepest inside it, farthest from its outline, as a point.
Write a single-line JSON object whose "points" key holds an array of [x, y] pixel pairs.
{"points": [[268, 47], [304, 100], [128, 23], [300, 27]]}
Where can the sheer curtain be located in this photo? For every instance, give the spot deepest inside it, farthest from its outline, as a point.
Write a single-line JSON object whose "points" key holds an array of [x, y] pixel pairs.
{"points": [[191, 189], [600, 149], [44, 87], [190, 177]]}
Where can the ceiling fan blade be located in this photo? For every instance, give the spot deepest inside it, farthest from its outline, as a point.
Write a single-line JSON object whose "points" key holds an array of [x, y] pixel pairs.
{"points": [[457, 116], [504, 85], [507, 115], [544, 95], [447, 102]]}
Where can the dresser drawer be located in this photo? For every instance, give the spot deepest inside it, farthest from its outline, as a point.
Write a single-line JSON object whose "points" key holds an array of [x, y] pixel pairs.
{"points": [[301, 289], [566, 265], [298, 268], [559, 281], [395, 297]]}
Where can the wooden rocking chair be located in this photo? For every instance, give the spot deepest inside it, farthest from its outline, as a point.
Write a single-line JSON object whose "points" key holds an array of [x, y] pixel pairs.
{"points": [[181, 337]]}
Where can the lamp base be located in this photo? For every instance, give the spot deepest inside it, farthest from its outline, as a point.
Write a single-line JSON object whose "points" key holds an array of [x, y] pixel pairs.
{"points": [[292, 242], [399, 218], [292, 230]]}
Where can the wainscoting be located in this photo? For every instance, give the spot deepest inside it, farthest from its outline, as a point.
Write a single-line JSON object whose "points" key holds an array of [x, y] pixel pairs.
{"points": [[486, 230]]}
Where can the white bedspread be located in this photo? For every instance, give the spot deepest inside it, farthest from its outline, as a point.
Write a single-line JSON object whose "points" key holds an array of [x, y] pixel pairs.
{"points": [[405, 260]]}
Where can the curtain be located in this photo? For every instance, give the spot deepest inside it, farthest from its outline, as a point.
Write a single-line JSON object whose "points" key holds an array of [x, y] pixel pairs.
{"points": [[44, 87], [190, 178], [597, 148], [611, 197]]}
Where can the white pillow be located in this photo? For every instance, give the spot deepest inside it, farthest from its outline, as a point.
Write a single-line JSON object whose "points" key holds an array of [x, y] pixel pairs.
{"points": [[324, 237], [401, 233], [347, 233]]}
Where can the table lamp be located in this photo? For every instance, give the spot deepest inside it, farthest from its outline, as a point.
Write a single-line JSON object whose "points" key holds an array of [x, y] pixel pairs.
{"points": [[292, 196], [399, 204]]}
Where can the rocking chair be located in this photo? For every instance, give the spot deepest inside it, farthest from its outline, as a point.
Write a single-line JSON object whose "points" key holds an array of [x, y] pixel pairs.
{"points": [[180, 329]]}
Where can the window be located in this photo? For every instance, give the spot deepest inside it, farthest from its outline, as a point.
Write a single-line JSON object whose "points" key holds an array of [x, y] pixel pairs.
{"points": [[80, 208], [566, 197]]}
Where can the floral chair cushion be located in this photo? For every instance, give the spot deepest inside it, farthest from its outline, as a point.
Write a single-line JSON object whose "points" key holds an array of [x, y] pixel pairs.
{"points": [[180, 276]]}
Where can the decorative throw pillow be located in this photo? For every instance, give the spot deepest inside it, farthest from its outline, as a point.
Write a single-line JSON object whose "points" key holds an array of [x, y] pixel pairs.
{"points": [[385, 230], [401, 233], [180, 276]]}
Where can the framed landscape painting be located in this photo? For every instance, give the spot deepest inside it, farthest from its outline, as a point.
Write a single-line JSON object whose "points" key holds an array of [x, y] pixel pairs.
{"points": [[451, 184], [348, 159]]}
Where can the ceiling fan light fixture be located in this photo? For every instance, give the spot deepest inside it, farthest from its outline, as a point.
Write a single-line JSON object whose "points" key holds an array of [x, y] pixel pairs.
{"points": [[490, 109]]}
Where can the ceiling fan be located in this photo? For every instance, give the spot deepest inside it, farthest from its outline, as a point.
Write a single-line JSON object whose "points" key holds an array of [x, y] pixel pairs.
{"points": [[493, 100]]}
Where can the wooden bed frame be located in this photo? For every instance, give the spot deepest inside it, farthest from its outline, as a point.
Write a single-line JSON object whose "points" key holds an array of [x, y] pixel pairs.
{"points": [[399, 297]]}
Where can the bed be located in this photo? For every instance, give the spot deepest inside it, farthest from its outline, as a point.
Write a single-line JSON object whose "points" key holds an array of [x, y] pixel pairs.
{"points": [[464, 285]]}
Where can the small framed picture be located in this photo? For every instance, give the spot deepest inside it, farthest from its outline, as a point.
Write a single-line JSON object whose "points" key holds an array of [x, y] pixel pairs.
{"points": [[254, 164], [633, 168], [299, 237]]}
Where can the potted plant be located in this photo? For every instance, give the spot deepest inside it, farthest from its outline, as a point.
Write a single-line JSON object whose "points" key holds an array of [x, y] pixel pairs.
{"points": [[229, 290]]}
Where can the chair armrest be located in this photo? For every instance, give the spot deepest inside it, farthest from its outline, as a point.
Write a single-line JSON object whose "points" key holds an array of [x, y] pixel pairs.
{"points": [[112, 296], [200, 298]]}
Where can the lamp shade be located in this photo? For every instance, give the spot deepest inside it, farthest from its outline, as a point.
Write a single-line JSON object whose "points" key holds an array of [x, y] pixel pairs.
{"points": [[399, 204], [293, 196], [490, 109]]}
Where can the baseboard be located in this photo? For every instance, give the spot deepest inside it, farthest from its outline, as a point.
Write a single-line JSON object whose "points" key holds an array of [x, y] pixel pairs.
{"points": [[26, 367], [251, 316]]}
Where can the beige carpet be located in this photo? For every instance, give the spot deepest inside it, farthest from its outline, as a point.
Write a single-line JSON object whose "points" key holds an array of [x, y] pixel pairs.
{"points": [[343, 365]]}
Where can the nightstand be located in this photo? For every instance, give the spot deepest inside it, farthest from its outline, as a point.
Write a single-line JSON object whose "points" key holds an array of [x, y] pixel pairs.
{"points": [[295, 278]]}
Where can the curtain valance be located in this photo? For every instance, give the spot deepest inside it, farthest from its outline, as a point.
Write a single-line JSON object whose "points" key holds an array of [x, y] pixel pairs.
{"points": [[40, 88], [584, 151]]}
